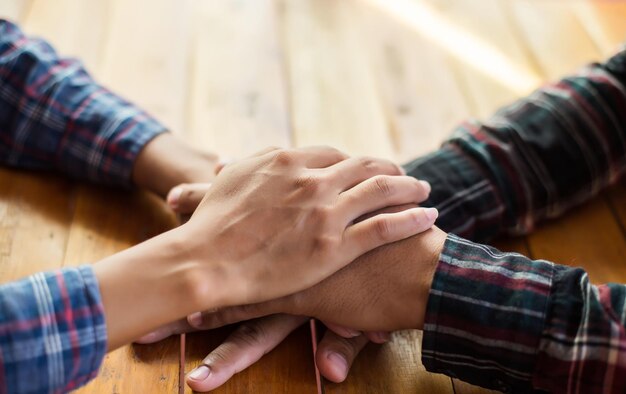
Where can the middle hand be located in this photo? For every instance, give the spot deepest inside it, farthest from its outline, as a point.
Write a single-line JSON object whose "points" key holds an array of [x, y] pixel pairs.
{"points": [[283, 220]]}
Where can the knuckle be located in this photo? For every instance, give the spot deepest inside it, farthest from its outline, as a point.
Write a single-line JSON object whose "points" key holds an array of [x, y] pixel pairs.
{"points": [[383, 229], [323, 244], [344, 346], [250, 333], [383, 186], [309, 184], [283, 158], [368, 163], [336, 152]]}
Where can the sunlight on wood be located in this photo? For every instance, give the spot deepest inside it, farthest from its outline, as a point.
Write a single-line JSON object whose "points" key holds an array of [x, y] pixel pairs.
{"points": [[462, 44]]}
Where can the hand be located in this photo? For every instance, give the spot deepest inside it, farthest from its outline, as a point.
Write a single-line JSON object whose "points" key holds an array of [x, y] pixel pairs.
{"points": [[281, 221], [336, 351], [359, 295], [270, 225], [385, 290]]}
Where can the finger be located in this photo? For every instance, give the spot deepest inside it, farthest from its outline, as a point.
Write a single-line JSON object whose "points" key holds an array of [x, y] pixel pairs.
{"points": [[350, 172], [342, 331], [387, 228], [177, 327], [185, 198], [234, 314], [391, 209], [241, 349], [378, 336], [322, 156], [335, 355], [380, 192], [223, 163]]}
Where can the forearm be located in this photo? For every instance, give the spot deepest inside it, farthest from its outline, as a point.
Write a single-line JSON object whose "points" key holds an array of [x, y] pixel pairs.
{"points": [[534, 159], [151, 284], [167, 161], [503, 321]]}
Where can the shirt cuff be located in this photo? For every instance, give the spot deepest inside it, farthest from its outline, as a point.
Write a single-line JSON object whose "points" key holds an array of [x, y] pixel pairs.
{"points": [[52, 327], [485, 315]]}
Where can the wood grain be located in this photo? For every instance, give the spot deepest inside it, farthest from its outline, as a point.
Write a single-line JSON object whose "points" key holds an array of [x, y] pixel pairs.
{"points": [[35, 210], [238, 99], [234, 76], [333, 95], [76, 28], [239, 104], [106, 222], [14, 10], [421, 101], [147, 61]]}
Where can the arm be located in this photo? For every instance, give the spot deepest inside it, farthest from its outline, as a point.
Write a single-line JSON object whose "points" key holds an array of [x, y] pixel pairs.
{"points": [[265, 229], [534, 159], [54, 116]]}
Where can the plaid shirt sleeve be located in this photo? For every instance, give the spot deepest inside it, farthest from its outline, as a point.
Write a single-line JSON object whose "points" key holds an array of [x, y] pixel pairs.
{"points": [[53, 115], [501, 320], [52, 332]]}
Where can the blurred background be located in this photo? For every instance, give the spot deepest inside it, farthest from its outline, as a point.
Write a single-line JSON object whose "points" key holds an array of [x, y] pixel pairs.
{"points": [[379, 77]]}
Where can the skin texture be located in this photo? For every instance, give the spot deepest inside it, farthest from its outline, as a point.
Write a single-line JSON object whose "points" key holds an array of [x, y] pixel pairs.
{"points": [[400, 271], [166, 161], [270, 225]]}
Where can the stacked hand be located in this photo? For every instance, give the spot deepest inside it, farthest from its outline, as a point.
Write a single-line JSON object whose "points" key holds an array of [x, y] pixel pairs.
{"points": [[381, 291]]}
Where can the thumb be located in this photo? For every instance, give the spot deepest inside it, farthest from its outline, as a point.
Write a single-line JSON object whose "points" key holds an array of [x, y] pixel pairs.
{"points": [[235, 314]]}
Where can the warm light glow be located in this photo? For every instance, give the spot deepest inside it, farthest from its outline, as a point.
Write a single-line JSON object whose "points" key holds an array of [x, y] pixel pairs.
{"points": [[460, 43]]}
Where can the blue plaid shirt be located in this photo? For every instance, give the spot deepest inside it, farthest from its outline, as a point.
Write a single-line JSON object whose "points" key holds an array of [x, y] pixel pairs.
{"points": [[54, 117]]}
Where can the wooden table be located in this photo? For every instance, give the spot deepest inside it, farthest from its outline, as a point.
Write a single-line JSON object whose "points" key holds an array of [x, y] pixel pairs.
{"points": [[385, 78]]}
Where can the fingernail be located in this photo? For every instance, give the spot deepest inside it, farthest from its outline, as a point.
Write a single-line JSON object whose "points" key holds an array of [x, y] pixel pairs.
{"points": [[352, 333], [385, 336], [173, 197], [199, 374], [402, 171], [147, 338], [431, 213], [426, 186], [195, 319], [340, 363]]}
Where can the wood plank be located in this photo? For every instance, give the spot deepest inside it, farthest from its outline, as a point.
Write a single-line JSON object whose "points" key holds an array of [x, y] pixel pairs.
{"points": [[35, 213], [146, 56], [394, 367], [75, 28], [554, 36], [503, 71], [333, 92], [14, 10], [287, 369], [238, 98], [604, 22], [238, 105], [104, 223], [421, 101], [588, 236], [617, 201]]}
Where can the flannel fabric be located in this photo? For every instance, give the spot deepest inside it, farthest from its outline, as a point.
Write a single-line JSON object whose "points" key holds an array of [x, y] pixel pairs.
{"points": [[501, 320], [53, 116]]}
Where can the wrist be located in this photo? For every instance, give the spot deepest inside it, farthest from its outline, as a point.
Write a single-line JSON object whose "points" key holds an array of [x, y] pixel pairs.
{"points": [[434, 241], [167, 161], [146, 286]]}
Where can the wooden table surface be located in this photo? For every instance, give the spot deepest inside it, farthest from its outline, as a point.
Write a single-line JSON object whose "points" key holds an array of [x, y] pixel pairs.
{"points": [[378, 77]]}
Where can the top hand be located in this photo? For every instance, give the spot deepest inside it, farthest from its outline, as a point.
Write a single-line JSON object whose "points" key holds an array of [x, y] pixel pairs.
{"points": [[281, 221]]}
